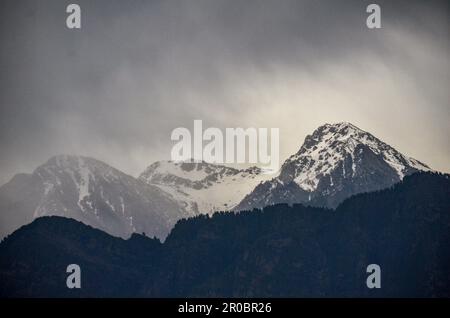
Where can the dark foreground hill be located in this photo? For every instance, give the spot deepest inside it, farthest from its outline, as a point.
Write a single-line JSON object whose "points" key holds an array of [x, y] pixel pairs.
{"points": [[281, 251]]}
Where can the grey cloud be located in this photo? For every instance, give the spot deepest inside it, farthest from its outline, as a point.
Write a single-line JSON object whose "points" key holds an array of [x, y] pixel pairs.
{"points": [[137, 69]]}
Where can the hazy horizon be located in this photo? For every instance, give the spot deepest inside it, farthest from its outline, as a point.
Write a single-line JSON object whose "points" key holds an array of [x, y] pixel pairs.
{"points": [[115, 89]]}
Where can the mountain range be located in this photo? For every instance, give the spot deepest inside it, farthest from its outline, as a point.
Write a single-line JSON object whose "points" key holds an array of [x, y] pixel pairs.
{"points": [[279, 251], [335, 162], [203, 188], [90, 191]]}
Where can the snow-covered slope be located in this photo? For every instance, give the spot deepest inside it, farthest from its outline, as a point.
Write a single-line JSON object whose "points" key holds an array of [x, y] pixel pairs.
{"points": [[90, 191], [203, 187], [335, 162]]}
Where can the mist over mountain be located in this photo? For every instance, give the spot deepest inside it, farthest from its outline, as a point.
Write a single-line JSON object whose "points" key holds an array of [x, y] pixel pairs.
{"points": [[280, 251], [334, 162], [203, 187], [90, 191], [334, 95]]}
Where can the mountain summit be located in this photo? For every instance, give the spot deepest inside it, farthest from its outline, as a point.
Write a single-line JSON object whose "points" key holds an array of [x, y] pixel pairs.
{"points": [[335, 162], [90, 191], [201, 187]]}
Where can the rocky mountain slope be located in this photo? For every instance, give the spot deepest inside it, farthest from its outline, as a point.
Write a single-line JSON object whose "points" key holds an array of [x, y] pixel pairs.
{"points": [[202, 187], [334, 163], [281, 251], [91, 191]]}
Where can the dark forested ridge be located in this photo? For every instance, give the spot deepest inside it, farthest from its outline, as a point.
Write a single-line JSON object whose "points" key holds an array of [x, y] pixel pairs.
{"points": [[281, 251]]}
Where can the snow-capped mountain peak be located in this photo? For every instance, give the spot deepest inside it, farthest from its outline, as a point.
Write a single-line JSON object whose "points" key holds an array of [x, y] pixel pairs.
{"points": [[93, 192], [334, 162], [84, 176], [203, 187], [330, 144], [171, 172]]}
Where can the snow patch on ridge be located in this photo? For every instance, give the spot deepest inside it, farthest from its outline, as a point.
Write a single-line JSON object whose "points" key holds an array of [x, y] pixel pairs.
{"points": [[203, 187], [330, 145]]}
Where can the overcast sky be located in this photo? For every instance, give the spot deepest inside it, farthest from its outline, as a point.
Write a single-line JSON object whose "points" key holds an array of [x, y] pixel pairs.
{"points": [[136, 70]]}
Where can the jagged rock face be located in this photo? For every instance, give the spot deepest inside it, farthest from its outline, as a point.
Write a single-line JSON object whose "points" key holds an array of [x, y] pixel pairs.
{"points": [[335, 162], [203, 187], [90, 191]]}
